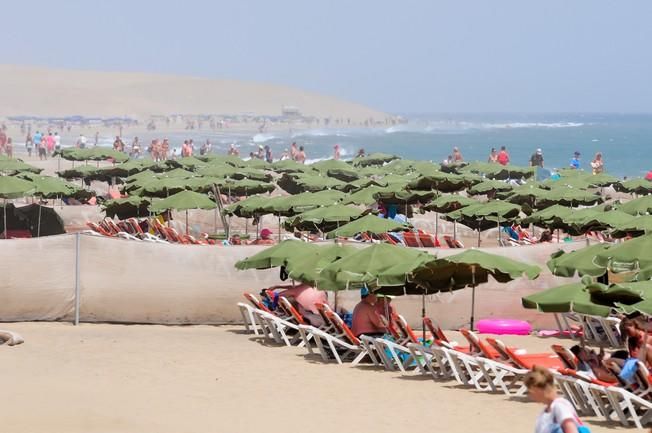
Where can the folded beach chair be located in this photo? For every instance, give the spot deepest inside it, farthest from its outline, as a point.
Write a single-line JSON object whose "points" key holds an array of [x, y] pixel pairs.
{"points": [[307, 331], [524, 360], [503, 377], [439, 335], [411, 239], [341, 349]]}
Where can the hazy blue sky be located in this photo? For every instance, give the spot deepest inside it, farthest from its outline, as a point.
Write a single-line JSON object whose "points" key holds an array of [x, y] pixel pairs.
{"points": [[399, 56]]}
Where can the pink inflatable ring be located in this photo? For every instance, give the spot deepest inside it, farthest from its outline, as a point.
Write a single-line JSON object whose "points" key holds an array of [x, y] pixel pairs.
{"points": [[504, 326]]}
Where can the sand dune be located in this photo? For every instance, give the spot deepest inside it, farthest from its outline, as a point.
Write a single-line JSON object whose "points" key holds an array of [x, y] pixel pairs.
{"points": [[57, 92]]}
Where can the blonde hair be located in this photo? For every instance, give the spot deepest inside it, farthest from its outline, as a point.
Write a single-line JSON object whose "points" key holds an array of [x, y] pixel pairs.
{"points": [[539, 377]]}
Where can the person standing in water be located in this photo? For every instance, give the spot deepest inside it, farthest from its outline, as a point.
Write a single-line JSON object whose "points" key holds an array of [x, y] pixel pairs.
{"points": [[597, 165], [301, 156], [457, 156], [293, 151], [493, 156], [503, 156], [336, 152], [575, 161]]}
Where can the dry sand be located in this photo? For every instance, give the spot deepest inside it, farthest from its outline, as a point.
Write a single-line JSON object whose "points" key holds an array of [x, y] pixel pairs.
{"points": [[113, 378], [28, 90]]}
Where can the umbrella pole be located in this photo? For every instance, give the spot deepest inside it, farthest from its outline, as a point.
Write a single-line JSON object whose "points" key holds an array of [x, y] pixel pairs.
{"points": [[455, 230], [423, 315], [38, 230], [472, 296], [246, 226], [186, 222], [436, 225], [279, 227], [5, 217], [478, 237]]}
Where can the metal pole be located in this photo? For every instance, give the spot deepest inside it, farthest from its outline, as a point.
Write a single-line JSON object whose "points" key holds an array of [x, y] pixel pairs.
{"points": [[472, 296], [436, 225], [186, 222], [5, 217], [77, 282], [423, 316], [38, 230]]}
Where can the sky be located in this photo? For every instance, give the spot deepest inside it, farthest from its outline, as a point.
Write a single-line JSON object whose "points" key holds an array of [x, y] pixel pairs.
{"points": [[424, 56]]}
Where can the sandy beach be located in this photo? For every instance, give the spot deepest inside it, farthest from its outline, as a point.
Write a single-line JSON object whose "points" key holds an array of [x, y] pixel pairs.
{"points": [[113, 378]]}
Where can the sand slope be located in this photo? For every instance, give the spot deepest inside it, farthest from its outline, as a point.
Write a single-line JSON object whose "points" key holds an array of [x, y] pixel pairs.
{"points": [[57, 92]]}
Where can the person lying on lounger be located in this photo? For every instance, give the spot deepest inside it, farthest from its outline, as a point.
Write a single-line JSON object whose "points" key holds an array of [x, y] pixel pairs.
{"points": [[307, 297], [591, 363]]}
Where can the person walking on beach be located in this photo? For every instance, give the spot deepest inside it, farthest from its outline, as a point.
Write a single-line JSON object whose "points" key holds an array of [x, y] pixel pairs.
{"points": [[38, 137], [493, 156], [575, 161], [49, 140], [268, 154], [457, 156], [233, 151], [9, 148], [42, 149], [29, 144], [336, 152], [597, 165], [57, 141], [536, 160], [559, 415], [503, 156], [3, 141]]}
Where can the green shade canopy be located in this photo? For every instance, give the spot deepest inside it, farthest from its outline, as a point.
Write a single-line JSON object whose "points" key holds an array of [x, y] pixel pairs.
{"points": [[629, 255], [373, 159], [184, 200], [13, 187], [440, 181], [635, 186], [92, 154], [12, 166], [299, 203], [127, 207], [636, 226], [551, 217], [127, 168], [497, 171], [327, 214], [581, 261], [52, 187], [277, 255], [361, 269], [565, 299], [306, 268], [297, 183], [337, 169], [568, 197], [638, 206], [368, 224], [449, 203], [249, 207], [489, 187]]}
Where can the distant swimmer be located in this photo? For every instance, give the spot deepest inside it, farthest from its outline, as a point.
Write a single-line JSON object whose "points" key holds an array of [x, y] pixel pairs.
{"points": [[575, 161], [503, 156], [285, 155], [536, 160], [457, 156], [597, 165], [493, 156], [336, 152]]}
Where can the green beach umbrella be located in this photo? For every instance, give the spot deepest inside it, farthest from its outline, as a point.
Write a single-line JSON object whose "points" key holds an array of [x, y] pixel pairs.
{"points": [[636, 226], [362, 268], [364, 196], [183, 201], [12, 187], [627, 256], [638, 186], [442, 182], [277, 255], [497, 171], [12, 166], [306, 268], [367, 224], [298, 183], [325, 217], [579, 261], [128, 207], [373, 159], [638, 206], [567, 298], [337, 169], [489, 187]]}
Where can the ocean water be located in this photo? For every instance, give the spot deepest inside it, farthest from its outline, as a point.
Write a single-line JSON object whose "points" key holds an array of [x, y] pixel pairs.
{"points": [[624, 140]]}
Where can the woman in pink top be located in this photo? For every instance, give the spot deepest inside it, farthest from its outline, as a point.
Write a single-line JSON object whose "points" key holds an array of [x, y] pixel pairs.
{"points": [[306, 296]]}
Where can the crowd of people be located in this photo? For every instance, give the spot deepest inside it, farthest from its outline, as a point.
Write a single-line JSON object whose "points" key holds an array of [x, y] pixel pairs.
{"points": [[536, 160]]}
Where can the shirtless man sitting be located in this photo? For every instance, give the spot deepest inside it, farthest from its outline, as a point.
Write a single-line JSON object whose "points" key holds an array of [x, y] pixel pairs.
{"points": [[365, 317]]}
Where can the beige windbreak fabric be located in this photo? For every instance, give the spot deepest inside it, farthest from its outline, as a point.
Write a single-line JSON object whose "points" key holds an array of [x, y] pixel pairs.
{"points": [[139, 282]]}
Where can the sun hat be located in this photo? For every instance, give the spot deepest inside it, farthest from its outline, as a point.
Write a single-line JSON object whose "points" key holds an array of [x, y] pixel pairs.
{"points": [[265, 233], [539, 151]]}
